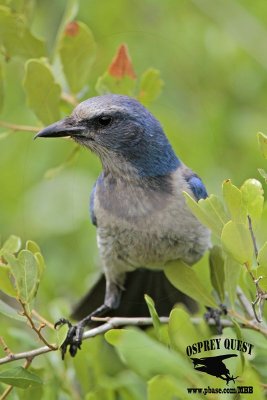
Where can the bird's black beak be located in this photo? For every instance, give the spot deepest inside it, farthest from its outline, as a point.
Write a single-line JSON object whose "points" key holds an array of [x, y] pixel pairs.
{"points": [[62, 128]]}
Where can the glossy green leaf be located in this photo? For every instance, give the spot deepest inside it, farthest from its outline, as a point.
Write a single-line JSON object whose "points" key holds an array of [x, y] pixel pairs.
{"points": [[232, 272], [262, 273], [253, 200], [5, 281], [32, 246], [26, 274], [77, 52], [19, 377], [150, 86], [262, 139], [233, 199], [16, 38], [35, 249], [167, 388], [154, 315], [237, 242], [185, 279], [43, 93], [209, 211], [11, 245], [131, 344], [216, 264]]}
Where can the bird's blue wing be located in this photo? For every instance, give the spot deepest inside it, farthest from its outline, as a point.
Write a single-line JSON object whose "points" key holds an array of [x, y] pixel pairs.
{"points": [[197, 187], [92, 201]]}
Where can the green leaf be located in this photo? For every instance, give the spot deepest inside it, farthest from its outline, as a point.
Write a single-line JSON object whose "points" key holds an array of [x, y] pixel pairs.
{"points": [[253, 200], [237, 242], [233, 199], [5, 282], [146, 356], [216, 264], [154, 315], [262, 256], [19, 377], [11, 245], [262, 139], [2, 91], [181, 330], [10, 312], [263, 173], [26, 274], [262, 272], [209, 211], [150, 86], [43, 94], [185, 279], [16, 38], [77, 52], [167, 388], [32, 247], [232, 272], [61, 334], [109, 84]]}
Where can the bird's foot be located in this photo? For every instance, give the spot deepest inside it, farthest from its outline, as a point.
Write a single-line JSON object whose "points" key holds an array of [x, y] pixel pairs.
{"points": [[73, 339], [215, 314]]}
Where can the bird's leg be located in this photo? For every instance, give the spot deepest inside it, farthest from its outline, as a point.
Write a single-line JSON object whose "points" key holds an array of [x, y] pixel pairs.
{"points": [[215, 314], [75, 333]]}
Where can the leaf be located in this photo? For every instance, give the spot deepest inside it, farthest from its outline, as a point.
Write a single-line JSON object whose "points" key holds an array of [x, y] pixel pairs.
{"points": [[263, 173], [5, 282], [232, 272], [19, 377], [43, 95], [144, 355], [26, 275], [10, 312], [77, 50], [262, 256], [121, 64], [209, 211], [35, 249], [253, 200], [262, 140], [11, 245], [216, 264], [181, 330], [61, 334], [154, 315], [237, 242], [150, 86], [120, 77], [166, 387], [16, 38], [233, 199], [32, 246], [262, 272], [185, 279]]}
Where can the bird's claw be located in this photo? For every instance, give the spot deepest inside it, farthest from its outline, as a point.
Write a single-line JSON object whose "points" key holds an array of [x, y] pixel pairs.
{"points": [[215, 314], [73, 339]]}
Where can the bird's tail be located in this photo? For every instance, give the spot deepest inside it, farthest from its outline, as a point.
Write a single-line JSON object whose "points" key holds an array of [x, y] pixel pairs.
{"points": [[137, 284]]}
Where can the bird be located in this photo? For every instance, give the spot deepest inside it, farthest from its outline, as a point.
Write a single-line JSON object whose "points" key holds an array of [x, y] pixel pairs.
{"points": [[138, 207]]}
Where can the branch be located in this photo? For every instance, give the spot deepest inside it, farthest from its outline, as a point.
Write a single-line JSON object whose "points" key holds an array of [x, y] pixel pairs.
{"points": [[16, 127]]}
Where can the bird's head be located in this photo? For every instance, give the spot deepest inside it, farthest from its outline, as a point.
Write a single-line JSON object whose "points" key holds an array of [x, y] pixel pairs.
{"points": [[123, 133]]}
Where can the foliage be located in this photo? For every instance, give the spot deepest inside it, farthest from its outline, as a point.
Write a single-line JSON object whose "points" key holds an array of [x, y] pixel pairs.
{"points": [[52, 57]]}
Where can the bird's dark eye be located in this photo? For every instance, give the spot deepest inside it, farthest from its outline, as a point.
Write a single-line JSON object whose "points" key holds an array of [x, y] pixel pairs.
{"points": [[104, 120]]}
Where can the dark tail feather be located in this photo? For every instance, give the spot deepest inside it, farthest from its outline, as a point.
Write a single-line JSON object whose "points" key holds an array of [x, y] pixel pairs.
{"points": [[137, 284]]}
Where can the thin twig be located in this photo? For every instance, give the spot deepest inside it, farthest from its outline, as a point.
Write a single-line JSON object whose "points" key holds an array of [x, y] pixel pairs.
{"points": [[252, 236], [42, 319], [16, 127], [245, 303], [5, 346], [248, 323], [32, 324], [69, 98]]}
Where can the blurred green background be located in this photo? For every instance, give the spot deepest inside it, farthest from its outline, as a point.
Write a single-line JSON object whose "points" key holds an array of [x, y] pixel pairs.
{"points": [[213, 59]]}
